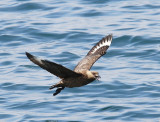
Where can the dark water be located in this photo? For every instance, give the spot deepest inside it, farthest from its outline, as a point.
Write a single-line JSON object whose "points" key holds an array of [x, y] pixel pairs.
{"points": [[63, 32]]}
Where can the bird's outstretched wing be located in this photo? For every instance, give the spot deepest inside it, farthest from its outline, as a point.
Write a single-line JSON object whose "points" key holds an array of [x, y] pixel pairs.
{"points": [[94, 54], [56, 69]]}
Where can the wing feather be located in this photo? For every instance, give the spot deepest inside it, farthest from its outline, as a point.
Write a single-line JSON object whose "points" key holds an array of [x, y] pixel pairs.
{"points": [[94, 54], [56, 69]]}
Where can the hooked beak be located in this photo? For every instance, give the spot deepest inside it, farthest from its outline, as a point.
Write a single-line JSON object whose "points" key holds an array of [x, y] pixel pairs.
{"points": [[98, 77]]}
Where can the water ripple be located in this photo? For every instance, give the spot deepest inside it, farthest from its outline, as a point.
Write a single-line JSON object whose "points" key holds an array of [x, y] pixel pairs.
{"points": [[23, 7], [63, 32]]}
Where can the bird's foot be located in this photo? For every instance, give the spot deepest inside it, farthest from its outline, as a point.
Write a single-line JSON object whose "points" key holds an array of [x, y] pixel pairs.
{"points": [[58, 91], [52, 87]]}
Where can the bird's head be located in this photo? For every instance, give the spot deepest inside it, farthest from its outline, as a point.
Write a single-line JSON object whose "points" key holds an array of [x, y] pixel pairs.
{"points": [[96, 75]]}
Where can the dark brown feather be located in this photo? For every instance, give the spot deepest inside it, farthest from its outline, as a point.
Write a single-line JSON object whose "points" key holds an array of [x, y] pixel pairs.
{"points": [[56, 69]]}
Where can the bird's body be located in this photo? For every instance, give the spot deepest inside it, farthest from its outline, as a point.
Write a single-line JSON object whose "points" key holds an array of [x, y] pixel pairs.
{"points": [[82, 80], [81, 75]]}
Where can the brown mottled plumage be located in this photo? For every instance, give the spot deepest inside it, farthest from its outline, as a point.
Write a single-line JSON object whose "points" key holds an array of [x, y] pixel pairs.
{"points": [[81, 75]]}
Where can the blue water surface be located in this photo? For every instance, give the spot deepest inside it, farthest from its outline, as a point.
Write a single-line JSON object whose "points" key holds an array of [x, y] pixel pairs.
{"points": [[63, 32]]}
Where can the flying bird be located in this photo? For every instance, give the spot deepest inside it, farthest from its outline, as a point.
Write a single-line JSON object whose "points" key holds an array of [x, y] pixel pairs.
{"points": [[81, 75]]}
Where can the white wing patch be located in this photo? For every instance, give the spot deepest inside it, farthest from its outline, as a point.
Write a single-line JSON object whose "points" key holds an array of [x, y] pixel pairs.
{"points": [[38, 60], [105, 42]]}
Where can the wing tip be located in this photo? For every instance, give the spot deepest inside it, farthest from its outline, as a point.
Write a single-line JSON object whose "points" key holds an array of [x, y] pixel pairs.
{"points": [[109, 37], [29, 55], [104, 42], [34, 59]]}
